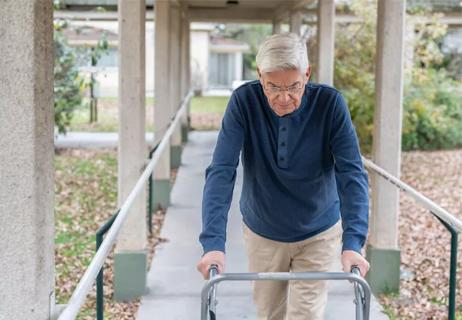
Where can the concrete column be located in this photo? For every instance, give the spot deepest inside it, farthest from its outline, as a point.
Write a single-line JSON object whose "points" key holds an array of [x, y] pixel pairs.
{"points": [[238, 66], [276, 27], [175, 81], [162, 110], [326, 40], [383, 252], [185, 69], [26, 160], [131, 255], [188, 64], [295, 23]]}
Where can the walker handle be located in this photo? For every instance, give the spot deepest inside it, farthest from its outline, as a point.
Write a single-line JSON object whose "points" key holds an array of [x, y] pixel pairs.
{"points": [[213, 271]]}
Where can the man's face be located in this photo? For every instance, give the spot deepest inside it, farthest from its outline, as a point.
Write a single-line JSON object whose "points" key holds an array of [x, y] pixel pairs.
{"points": [[284, 89]]}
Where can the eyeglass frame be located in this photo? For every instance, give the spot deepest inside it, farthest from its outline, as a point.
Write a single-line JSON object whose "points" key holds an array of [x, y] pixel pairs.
{"points": [[291, 90]]}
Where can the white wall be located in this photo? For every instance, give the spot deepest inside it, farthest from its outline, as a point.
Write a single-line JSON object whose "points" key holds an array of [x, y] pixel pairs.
{"points": [[199, 58]]}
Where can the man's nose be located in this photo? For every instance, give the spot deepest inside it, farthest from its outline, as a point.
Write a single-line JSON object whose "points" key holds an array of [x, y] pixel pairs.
{"points": [[284, 97]]}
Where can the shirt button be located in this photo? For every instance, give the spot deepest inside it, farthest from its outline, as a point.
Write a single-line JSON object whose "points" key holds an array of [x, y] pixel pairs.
{"points": [[282, 158], [283, 129], [283, 144]]}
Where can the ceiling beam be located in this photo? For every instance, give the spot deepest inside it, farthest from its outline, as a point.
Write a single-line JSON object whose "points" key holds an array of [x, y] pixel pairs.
{"points": [[248, 15]]}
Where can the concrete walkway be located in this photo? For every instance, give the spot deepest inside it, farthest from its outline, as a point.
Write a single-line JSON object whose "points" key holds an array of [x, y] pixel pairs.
{"points": [[92, 139], [174, 285]]}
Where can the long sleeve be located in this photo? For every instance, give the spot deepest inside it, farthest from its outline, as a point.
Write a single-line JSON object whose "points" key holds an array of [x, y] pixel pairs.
{"points": [[351, 178], [220, 178]]}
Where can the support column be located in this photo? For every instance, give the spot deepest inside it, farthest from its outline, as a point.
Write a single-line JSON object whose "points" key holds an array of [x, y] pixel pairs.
{"points": [[276, 27], [185, 70], [326, 40], [295, 23], [383, 251], [131, 255], [162, 111], [26, 160], [175, 81]]}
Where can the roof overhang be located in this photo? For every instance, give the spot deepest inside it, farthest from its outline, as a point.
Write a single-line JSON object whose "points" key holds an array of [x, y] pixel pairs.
{"points": [[250, 11]]}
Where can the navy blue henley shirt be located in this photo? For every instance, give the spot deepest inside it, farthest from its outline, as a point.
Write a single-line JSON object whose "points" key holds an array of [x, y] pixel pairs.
{"points": [[302, 171]]}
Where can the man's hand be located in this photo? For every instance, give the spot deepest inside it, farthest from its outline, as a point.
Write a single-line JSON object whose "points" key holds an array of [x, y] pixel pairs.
{"points": [[211, 257], [352, 258]]}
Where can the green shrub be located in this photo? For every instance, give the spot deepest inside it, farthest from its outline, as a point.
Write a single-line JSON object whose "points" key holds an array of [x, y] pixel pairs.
{"points": [[432, 102]]}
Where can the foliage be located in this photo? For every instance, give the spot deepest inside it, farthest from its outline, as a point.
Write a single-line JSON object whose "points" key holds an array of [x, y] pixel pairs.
{"points": [[68, 85], [354, 69], [432, 103]]}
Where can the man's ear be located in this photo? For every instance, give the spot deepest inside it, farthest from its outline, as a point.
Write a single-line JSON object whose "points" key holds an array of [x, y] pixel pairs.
{"points": [[308, 73], [260, 76], [259, 73]]}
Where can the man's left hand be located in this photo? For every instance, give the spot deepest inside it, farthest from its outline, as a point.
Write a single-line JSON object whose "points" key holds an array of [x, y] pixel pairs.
{"points": [[352, 258]]}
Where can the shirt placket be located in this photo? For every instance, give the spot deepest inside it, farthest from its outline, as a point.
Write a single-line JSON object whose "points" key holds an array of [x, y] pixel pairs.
{"points": [[282, 154]]}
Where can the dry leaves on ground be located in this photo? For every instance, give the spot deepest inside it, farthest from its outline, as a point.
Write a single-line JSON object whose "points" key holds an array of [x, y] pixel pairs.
{"points": [[424, 242], [86, 196]]}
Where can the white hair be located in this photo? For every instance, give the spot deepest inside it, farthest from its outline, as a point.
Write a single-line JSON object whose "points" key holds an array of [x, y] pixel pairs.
{"points": [[283, 51]]}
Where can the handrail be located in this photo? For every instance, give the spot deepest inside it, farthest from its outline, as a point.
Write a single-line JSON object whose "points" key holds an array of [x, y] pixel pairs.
{"points": [[419, 197], [85, 284], [450, 222]]}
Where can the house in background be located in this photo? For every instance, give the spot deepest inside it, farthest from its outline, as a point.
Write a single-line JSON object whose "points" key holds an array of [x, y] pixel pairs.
{"points": [[225, 62], [216, 63]]}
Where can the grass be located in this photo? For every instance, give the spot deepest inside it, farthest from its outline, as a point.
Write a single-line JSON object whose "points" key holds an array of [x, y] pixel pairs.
{"points": [[85, 196], [108, 113], [209, 104]]}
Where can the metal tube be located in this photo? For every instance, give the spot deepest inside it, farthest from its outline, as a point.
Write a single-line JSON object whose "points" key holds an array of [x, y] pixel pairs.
{"points": [[359, 296], [150, 199], [285, 276], [452, 271], [419, 197], [84, 286], [99, 285], [453, 277], [100, 278]]}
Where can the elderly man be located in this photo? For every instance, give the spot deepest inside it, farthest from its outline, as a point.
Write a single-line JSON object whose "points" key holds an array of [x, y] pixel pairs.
{"points": [[302, 173]]}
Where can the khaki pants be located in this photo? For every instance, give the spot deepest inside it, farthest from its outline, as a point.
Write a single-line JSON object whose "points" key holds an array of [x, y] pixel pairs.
{"points": [[294, 300]]}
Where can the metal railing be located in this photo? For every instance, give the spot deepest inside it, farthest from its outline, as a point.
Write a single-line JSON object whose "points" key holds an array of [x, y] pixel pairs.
{"points": [[451, 223], [84, 286]]}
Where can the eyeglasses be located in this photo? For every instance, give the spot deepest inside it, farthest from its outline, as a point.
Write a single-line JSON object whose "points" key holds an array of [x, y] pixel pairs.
{"points": [[293, 89]]}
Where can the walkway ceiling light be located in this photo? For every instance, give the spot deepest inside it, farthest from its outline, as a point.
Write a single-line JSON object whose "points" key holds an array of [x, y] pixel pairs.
{"points": [[232, 2]]}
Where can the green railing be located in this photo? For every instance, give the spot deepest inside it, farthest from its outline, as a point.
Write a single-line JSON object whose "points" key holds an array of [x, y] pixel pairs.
{"points": [[99, 239], [452, 269], [100, 279], [114, 225], [452, 224]]}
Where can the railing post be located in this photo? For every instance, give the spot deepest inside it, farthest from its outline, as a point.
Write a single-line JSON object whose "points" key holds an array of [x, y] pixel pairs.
{"points": [[452, 270], [150, 193], [99, 283], [100, 278]]}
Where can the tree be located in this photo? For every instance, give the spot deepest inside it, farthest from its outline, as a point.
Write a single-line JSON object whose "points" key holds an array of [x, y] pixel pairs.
{"points": [[68, 84]]}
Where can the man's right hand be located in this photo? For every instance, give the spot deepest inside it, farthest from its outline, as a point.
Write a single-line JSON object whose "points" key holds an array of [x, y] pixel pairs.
{"points": [[210, 258]]}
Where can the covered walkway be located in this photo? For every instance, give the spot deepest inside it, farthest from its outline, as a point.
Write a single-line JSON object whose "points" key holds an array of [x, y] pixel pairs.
{"points": [[173, 283], [26, 122]]}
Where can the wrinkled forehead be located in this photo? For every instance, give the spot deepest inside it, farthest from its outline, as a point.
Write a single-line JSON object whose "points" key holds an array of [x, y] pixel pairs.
{"points": [[282, 78]]}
